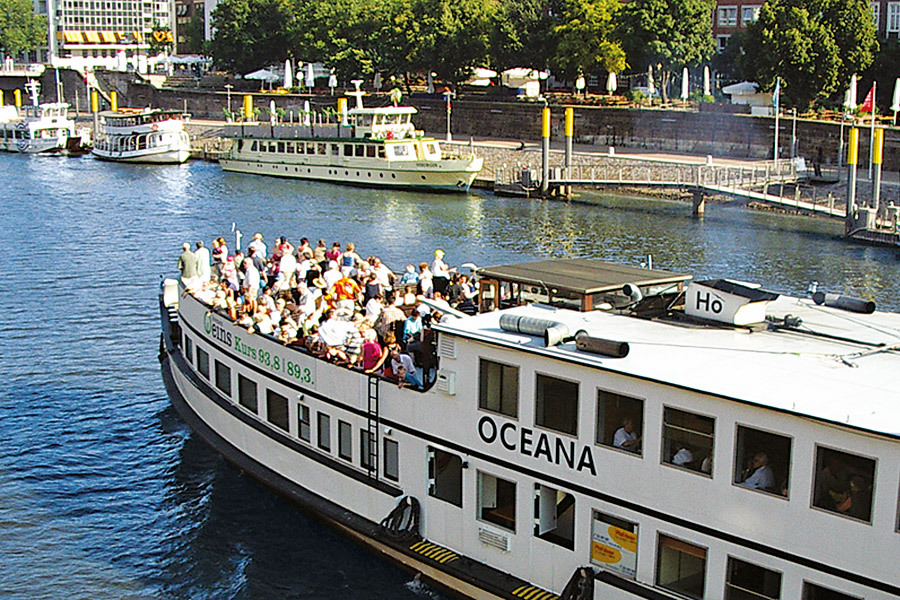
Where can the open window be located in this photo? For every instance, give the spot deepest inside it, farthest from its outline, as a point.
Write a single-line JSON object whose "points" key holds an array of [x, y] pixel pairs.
{"points": [[554, 516], [620, 421], [556, 404], [445, 476], [614, 544], [498, 388], [688, 440], [681, 567], [497, 501], [746, 581], [762, 461], [844, 483]]}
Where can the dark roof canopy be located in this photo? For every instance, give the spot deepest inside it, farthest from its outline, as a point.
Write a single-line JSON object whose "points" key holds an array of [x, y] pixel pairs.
{"points": [[581, 276]]}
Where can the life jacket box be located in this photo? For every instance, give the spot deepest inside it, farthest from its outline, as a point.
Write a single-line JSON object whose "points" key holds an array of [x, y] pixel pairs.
{"points": [[727, 301]]}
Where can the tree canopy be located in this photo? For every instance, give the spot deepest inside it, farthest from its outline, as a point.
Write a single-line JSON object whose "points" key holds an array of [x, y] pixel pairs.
{"points": [[250, 33], [585, 38], [20, 29], [814, 46]]}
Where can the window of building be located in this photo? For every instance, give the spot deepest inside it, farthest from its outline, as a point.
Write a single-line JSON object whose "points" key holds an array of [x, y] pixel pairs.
{"points": [[223, 378], [844, 483], [391, 460], [247, 393], [681, 567], [762, 461], [722, 42], [498, 388], [303, 422], [893, 17], [614, 544], [876, 14], [749, 14], [345, 440], [365, 450], [556, 404], [445, 476], [747, 581], [687, 440], [497, 501], [727, 16], [323, 435], [277, 409], [554, 516], [620, 421], [811, 591], [203, 362]]}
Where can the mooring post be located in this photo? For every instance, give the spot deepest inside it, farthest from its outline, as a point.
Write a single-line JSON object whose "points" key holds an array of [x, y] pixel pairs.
{"points": [[876, 161], [570, 130], [95, 109], [852, 154], [545, 151], [699, 204]]}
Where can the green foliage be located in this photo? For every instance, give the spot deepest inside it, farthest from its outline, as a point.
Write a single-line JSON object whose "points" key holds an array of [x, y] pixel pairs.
{"points": [[250, 34], [522, 33], [668, 34], [193, 35], [585, 44], [20, 29], [814, 46]]}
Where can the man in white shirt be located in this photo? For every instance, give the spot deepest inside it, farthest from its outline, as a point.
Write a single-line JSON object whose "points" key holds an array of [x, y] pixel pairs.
{"points": [[203, 268], [625, 438], [258, 245], [761, 477]]}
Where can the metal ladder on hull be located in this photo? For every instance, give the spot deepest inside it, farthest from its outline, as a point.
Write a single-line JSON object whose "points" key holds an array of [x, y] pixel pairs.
{"points": [[372, 427]]}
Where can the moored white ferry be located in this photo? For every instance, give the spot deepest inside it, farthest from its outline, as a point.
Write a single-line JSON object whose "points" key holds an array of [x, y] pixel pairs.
{"points": [[376, 146], [142, 136], [40, 128], [600, 438]]}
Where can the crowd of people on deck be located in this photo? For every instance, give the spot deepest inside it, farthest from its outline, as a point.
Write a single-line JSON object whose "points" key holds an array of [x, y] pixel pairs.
{"points": [[350, 310]]}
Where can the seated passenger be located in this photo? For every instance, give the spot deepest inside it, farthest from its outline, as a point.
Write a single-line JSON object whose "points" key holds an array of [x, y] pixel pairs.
{"points": [[409, 277], [683, 457], [625, 438], [857, 501], [759, 475], [404, 369]]}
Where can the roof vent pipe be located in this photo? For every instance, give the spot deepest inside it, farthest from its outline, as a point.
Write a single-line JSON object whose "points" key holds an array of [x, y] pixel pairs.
{"points": [[857, 305], [553, 332], [595, 345]]}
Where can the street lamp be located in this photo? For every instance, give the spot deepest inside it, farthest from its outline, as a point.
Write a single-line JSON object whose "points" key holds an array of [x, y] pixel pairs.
{"points": [[447, 96], [228, 88]]}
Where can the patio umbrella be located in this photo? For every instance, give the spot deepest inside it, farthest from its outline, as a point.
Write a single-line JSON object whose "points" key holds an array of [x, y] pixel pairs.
{"points": [[288, 75], [706, 81], [895, 104], [376, 81], [262, 75], [850, 103], [651, 86], [685, 86], [310, 76], [611, 83], [306, 116], [429, 87]]}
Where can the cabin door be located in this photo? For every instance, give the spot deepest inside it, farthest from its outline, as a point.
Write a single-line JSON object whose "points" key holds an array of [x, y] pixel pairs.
{"points": [[545, 498]]}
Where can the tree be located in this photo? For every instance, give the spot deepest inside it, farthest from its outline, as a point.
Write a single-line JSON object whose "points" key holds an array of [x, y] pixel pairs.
{"points": [[456, 35], [522, 34], [585, 38], [251, 34], [20, 29], [813, 46], [668, 34]]}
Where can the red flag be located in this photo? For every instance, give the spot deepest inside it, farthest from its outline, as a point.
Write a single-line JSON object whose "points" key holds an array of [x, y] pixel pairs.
{"points": [[868, 102]]}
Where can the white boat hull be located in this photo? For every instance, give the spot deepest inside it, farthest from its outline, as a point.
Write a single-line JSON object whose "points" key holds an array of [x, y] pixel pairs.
{"points": [[151, 156]]}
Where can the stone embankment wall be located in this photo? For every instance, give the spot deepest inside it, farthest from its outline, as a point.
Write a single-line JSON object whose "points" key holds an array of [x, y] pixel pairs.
{"points": [[670, 130]]}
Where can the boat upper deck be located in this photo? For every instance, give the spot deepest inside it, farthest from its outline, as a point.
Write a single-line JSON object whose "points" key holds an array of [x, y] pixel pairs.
{"points": [[832, 365]]}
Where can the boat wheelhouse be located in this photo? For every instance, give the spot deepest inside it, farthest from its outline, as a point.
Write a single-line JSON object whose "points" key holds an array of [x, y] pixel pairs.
{"points": [[142, 136], [676, 439], [375, 146], [39, 128]]}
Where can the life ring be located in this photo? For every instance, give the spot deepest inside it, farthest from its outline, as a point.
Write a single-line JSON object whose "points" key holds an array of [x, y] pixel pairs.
{"points": [[155, 127]]}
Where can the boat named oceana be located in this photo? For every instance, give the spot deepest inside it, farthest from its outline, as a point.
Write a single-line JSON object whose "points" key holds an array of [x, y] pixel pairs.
{"points": [[377, 146], [145, 135], [597, 431]]}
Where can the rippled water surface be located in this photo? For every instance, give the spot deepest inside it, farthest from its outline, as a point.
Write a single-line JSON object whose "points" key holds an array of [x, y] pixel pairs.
{"points": [[104, 492]]}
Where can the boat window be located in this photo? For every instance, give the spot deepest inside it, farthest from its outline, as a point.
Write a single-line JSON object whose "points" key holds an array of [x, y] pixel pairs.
{"points": [[365, 452], [281, 147], [345, 440], [262, 147], [554, 516], [688, 440], [303, 422], [240, 145], [400, 150], [301, 148], [811, 591], [223, 378], [335, 150], [247, 393], [747, 581], [762, 461], [203, 362], [348, 149], [556, 404], [498, 388], [620, 421], [273, 147], [381, 153], [844, 483], [445, 476], [359, 150], [614, 544], [681, 567], [188, 348], [321, 149], [277, 409], [323, 434], [497, 501], [370, 151], [391, 460], [290, 147]]}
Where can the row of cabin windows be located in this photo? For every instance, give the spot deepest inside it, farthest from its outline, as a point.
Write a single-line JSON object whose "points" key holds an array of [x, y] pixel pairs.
{"points": [[277, 414], [680, 565], [325, 149], [24, 134], [843, 482]]}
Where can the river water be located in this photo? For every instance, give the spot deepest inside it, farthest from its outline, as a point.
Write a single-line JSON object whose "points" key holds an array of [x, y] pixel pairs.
{"points": [[105, 493]]}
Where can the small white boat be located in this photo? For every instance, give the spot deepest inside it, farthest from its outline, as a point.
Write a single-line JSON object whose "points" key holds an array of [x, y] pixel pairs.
{"points": [[142, 136], [38, 128]]}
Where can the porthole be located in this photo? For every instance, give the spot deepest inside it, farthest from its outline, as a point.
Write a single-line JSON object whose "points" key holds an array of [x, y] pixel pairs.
{"points": [[393, 176]]}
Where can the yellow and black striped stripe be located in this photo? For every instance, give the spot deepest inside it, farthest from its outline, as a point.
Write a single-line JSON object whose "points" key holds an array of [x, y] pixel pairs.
{"points": [[434, 552], [530, 592]]}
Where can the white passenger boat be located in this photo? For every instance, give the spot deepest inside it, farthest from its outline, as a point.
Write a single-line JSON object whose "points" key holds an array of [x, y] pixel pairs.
{"points": [[40, 128], [142, 136], [376, 146], [608, 432]]}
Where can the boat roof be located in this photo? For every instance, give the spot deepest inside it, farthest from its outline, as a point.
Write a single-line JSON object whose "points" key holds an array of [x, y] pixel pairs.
{"points": [[137, 112], [580, 276], [384, 110], [835, 366]]}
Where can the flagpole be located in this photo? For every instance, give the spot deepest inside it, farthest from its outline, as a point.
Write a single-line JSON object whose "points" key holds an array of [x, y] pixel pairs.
{"points": [[872, 132], [777, 103]]}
